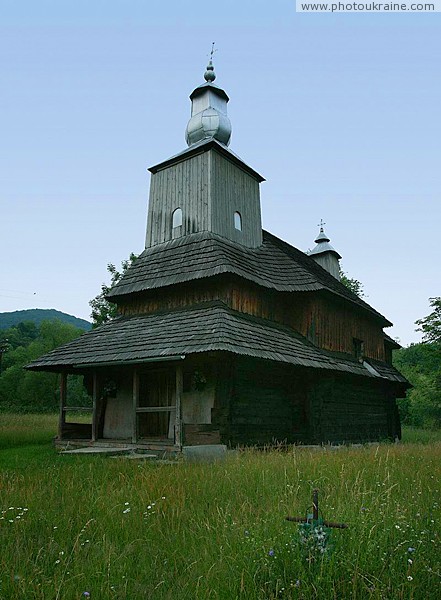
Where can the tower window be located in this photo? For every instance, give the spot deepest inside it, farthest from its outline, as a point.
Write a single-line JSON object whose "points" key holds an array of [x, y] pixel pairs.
{"points": [[238, 221], [177, 218]]}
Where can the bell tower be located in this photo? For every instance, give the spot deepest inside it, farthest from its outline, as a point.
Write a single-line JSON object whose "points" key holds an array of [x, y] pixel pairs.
{"points": [[206, 187], [325, 255]]}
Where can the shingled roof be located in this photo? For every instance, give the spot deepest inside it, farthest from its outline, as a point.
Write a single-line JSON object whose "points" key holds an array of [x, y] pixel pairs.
{"points": [[275, 264], [388, 371], [204, 328]]}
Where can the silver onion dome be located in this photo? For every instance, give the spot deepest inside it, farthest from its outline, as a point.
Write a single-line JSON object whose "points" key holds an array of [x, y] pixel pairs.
{"points": [[208, 112], [325, 255], [323, 244]]}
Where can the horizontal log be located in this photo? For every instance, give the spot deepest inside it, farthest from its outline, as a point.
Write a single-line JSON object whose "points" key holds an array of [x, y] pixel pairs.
{"points": [[155, 409], [199, 435], [76, 431], [325, 523]]}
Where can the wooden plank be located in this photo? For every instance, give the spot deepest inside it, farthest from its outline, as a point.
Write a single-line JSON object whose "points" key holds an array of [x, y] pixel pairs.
{"points": [[63, 397], [178, 418], [199, 435], [153, 409], [78, 409], [95, 407], [135, 405]]}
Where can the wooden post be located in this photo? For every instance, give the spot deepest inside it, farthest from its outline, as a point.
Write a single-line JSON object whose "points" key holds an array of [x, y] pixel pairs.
{"points": [[178, 416], [63, 395], [135, 405], [95, 407], [315, 505], [315, 515]]}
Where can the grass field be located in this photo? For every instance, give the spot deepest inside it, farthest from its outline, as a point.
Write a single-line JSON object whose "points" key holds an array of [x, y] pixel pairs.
{"points": [[118, 529]]}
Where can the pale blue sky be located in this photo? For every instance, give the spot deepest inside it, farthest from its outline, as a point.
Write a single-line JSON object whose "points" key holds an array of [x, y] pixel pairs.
{"points": [[340, 113]]}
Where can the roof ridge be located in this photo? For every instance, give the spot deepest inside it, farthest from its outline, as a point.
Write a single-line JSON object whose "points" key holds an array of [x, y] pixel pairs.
{"points": [[342, 290]]}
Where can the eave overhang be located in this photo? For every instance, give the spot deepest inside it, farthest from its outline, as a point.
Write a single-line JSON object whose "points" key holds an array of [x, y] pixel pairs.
{"points": [[206, 328], [204, 146]]}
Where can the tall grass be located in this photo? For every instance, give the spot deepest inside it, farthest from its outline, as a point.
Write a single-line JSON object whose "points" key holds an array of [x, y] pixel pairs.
{"points": [[121, 529], [417, 435], [26, 429]]}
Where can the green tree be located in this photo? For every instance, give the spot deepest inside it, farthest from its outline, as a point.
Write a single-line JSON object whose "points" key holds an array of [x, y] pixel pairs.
{"points": [[22, 390], [431, 325], [421, 365], [352, 284], [103, 310], [19, 335]]}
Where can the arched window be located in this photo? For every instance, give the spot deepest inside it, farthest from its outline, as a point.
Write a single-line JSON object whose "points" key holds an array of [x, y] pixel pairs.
{"points": [[238, 221], [177, 218]]}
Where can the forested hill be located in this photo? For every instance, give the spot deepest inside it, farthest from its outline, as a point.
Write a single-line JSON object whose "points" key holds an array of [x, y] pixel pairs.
{"points": [[38, 315]]}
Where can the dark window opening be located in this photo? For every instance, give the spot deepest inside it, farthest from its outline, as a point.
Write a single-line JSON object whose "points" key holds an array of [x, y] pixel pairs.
{"points": [[358, 349], [388, 353]]}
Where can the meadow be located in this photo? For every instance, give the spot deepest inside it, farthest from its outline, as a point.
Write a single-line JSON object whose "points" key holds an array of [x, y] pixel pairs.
{"points": [[75, 527]]}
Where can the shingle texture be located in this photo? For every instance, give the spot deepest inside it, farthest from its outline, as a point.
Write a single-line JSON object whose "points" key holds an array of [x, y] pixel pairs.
{"points": [[388, 371], [275, 265], [208, 327]]}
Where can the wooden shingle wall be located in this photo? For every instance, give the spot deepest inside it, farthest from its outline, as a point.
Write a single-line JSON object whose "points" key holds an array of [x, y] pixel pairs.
{"points": [[333, 326], [178, 297], [327, 323]]}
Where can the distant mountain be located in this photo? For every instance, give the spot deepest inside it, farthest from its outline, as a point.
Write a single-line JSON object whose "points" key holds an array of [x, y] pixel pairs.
{"points": [[37, 315]]}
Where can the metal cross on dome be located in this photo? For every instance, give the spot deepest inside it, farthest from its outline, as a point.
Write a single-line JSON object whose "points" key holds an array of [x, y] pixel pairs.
{"points": [[321, 224], [212, 50]]}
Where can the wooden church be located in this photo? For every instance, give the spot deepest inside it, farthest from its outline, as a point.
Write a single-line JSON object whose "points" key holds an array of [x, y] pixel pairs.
{"points": [[227, 334]]}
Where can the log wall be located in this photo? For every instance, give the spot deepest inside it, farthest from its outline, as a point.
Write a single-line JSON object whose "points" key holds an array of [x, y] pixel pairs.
{"points": [[260, 403], [344, 409]]}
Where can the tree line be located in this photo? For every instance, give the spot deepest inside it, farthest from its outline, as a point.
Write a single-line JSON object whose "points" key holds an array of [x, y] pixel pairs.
{"points": [[421, 364], [29, 391]]}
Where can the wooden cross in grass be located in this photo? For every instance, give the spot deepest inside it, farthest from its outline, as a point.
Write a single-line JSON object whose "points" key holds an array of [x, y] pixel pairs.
{"points": [[315, 515]]}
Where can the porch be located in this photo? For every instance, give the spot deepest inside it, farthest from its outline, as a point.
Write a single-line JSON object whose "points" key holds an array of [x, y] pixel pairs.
{"points": [[154, 406], [137, 407]]}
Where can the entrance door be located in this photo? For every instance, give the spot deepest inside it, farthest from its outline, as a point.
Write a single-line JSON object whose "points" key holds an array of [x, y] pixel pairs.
{"points": [[157, 405]]}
